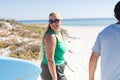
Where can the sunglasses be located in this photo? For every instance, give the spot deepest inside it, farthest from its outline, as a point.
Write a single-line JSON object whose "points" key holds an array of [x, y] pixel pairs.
{"points": [[54, 21]]}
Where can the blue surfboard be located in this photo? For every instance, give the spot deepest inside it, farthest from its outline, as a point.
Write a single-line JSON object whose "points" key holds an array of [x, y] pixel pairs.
{"points": [[18, 69]]}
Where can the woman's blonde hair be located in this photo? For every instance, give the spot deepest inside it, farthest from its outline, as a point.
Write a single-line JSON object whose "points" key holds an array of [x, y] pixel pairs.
{"points": [[54, 14]]}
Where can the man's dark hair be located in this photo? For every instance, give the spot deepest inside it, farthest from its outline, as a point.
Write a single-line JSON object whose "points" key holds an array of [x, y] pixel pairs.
{"points": [[117, 10]]}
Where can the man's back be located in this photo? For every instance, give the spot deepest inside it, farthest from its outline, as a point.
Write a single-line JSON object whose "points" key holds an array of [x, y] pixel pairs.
{"points": [[108, 44]]}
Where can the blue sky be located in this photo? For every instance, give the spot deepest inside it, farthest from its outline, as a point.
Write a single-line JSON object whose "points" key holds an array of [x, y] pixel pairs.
{"points": [[40, 9]]}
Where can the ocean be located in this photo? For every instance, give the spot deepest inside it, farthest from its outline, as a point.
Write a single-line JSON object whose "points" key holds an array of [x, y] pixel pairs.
{"points": [[100, 22]]}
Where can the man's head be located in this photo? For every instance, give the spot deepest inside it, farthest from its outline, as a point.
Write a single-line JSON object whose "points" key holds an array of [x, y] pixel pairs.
{"points": [[117, 10]]}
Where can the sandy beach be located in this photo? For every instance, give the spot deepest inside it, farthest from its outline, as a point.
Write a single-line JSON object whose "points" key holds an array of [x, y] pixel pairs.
{"points": [[79, 45]]}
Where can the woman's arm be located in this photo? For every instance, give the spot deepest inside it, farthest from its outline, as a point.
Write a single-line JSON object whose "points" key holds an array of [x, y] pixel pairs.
{"points": [[93, 64], [50, 43]]}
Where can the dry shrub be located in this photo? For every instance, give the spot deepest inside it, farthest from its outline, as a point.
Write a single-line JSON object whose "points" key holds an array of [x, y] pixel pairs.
{"points": [[35, 36], [35, 47], [29, 52], [12, 41], [3, 44], [2, 34], [13, 47]]}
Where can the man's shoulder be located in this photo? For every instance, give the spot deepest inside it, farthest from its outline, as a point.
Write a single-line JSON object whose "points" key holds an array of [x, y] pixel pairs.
{"points": [[108, 29]]}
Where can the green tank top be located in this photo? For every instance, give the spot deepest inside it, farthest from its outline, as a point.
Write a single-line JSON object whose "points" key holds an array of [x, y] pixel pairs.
{"points": [[59, 50]]}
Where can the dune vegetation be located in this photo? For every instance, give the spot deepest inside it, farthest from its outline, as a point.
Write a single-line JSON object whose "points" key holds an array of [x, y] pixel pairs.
{"points": [[21, 40]]}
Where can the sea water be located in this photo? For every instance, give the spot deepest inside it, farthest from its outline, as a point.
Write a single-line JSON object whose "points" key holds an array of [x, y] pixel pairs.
{"points": [[77, 22]]}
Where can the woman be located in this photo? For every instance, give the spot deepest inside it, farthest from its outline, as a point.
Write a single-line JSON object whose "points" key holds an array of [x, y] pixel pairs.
{"points": [[53, 47]]}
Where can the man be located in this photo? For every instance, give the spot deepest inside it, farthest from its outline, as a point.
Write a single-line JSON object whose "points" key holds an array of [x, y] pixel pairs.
{"points": [[107, 46]]}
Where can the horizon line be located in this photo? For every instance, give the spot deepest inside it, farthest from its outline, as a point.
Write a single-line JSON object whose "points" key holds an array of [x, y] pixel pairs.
{"points": [[67, 18]]}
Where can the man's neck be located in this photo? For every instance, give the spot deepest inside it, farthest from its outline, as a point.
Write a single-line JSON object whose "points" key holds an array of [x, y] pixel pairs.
{"points": [[118, 22]]}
